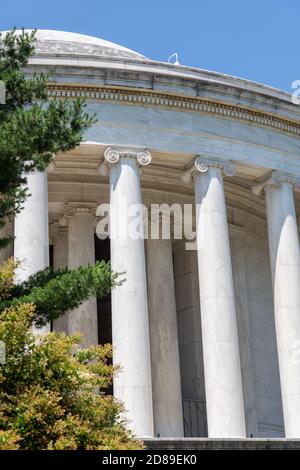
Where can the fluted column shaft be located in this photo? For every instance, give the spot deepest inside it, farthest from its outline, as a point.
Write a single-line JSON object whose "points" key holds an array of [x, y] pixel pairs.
{"points": [[130, 323], [285, 267], [60, 261], [167, 399], [81, 252], [31, 228], [223, 382], [31, 245]]}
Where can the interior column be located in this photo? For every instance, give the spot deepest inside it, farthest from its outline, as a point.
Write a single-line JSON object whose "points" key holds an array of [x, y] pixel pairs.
{"points": [[81, 252], [167, 399]]}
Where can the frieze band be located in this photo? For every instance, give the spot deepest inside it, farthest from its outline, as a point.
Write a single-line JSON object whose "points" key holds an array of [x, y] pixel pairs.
{"points": [[195, 104]]}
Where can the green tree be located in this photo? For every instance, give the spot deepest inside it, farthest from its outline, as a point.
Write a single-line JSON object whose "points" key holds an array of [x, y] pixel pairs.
{"points": [[52, 393], [32, 127], [55, 292]]}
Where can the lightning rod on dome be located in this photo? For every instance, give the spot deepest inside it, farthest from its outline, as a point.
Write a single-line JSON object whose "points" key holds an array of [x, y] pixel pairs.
{"points": [[174, 59]]}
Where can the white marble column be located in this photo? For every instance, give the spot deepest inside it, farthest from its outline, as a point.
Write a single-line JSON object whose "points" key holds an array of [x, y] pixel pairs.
{"points": [[167, 399], [31, 245], [81, 252], [222, 368], [285, 267], [31, 228], [60, 261], [130, 324]]}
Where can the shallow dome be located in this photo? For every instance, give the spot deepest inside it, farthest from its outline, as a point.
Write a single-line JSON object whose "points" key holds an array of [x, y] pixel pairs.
{"points": [[61, 43]]}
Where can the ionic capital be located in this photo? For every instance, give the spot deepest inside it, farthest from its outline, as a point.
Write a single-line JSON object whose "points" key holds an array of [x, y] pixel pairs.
{"points": [[202, 165], [56, 228], [74, 208], [276, 178], [53, 228], [112, 155]]}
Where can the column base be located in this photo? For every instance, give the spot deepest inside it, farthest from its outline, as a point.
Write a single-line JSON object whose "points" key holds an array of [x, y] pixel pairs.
{"points": [[199, 443]]}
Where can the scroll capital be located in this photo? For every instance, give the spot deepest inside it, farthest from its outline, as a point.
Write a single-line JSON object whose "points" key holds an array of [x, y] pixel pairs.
{"points": [[73, 208], [113, 154], [202, 164], [276, 178]]}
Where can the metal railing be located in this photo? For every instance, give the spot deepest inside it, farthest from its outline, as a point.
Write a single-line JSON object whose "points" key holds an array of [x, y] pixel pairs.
{"points": [[194, 418]]}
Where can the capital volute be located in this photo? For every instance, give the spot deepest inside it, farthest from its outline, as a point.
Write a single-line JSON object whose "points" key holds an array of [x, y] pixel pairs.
{"points": [[112, 155], [53, 228], [276, 178], [56, 228], [202, 165], [73, 208]]}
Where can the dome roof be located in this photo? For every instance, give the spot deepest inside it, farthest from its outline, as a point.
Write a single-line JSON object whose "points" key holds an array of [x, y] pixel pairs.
{"points": [[61, 43]]}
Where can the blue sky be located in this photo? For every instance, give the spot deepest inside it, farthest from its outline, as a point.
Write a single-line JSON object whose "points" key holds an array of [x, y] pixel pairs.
{"points": [[254, 39]]}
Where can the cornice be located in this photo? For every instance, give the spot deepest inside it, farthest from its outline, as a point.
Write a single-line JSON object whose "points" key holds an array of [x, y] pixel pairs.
{"points": [[171, 101]]}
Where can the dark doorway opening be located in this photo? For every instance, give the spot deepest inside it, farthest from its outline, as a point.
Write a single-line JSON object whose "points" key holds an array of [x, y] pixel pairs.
{"points": [[102, 252]]}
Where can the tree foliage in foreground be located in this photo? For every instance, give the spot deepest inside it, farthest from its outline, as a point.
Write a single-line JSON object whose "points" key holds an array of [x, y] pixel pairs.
{"points": [[51, 398], [55, 292], [51, 393], [32, 127]]}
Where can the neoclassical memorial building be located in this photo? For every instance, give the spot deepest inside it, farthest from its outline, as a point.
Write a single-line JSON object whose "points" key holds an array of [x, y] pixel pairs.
{"points": [[208, 339]]}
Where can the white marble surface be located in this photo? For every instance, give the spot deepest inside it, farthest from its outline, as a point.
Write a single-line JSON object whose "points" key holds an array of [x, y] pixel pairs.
{"points": [[60, 261], [81, 252], [285, 266], [184, 132], [171, 131], [262, 336], [130, 322], [222, 368], [189, 334], [237, 246], [166, 381], [52, 43], [92, 55], [31, 246], [31, 229]]}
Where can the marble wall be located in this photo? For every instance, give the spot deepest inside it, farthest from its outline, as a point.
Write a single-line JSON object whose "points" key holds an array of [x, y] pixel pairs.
{"points": [[190, 342], [255, 318], [263, 340]]}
